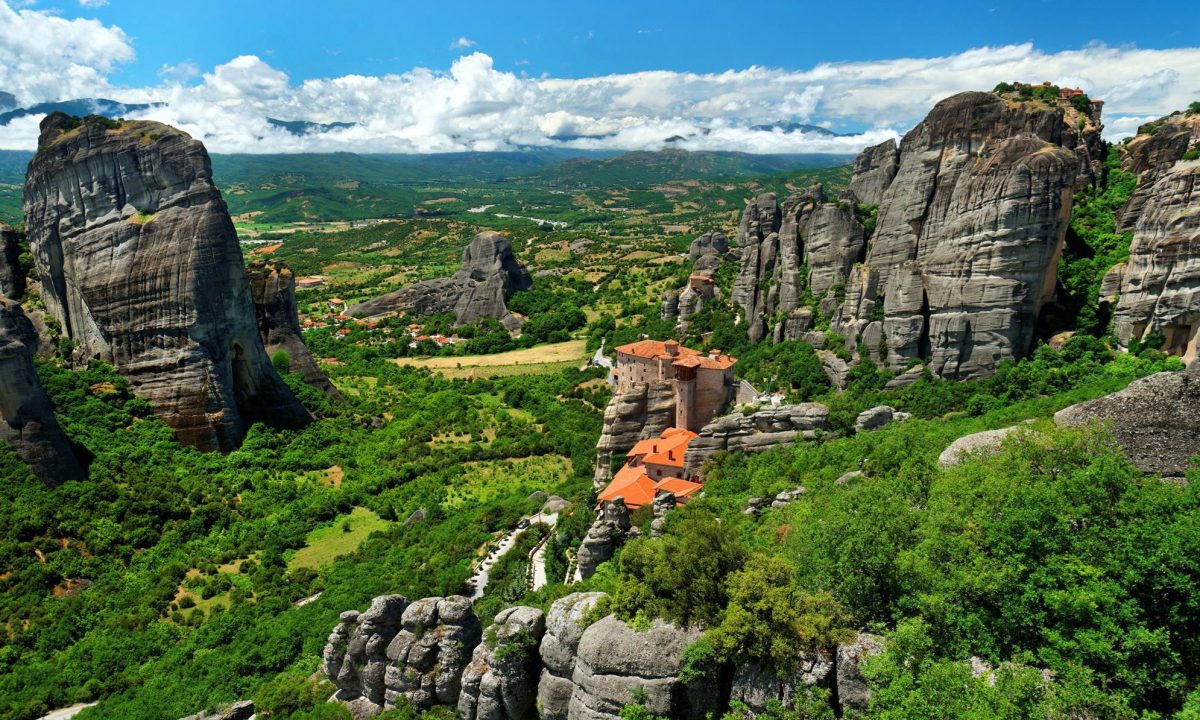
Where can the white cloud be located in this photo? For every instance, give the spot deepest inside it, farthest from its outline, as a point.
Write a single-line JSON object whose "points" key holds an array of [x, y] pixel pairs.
{"points": [[93, 3], [475, 106], [462, 44], [46, 57]]}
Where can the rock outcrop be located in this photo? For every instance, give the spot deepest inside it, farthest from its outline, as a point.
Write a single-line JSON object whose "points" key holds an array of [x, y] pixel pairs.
{"points": [[616, 664], [609, 531], [240, 710], [778, 243], [489, 274], [429, 655], [853, 692], [355, 658], [501, 681], [969, 233], [27, 421], [756, 687], [764, 429], [12, 280], [1158, 287], [1153, 419], [273, 287], [564, 630], [141, 265], [643, 412], [874, 169], [986, 442], [706, 253]]}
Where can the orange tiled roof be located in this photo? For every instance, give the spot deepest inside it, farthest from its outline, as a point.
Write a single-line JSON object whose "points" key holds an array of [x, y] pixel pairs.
{"points": [[682, 488], [670, 439], [705, 278], [720, 362], [672, 457], [654, 349], [632, 484]]}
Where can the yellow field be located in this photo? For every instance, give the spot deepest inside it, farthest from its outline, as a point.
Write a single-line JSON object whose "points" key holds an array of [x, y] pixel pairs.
{"points": [[528, 361], [323, 545]]}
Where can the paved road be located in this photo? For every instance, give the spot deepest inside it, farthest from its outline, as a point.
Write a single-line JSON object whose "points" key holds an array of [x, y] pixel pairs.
{"points": [[68, 712], [479, 580]]}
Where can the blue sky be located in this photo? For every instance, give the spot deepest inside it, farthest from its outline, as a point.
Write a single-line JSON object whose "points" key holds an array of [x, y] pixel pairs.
{"points": [[578, 39], [702, 75]]}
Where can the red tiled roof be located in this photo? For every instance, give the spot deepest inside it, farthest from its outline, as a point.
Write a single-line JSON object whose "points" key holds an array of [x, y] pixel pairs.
{"points": [[653, 349], [682, 488], [633, 485], [720, 362], [670, 439], [705, 278]]}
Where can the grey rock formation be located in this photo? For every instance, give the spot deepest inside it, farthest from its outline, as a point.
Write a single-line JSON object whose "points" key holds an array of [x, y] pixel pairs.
{"points": [[273, 287], [27, 421], [757, 687], [141, 265], [779, 243], [1153, 419], [429, 655], [906, 378], [969, 233], [615, 663], [355, 658], [663, 503], [981, 443], [761, 430], [1159, 285], [853, 692], [874, 418], [643, 412], [489, 274], [1151, 154], [874, 169], [564, 629], [712, 243], [670, 304], [500, 683], [836, 369], [706, 253], [12, 280], [607, 533]]}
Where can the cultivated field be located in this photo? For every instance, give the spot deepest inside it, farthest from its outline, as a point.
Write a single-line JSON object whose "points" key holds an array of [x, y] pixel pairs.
{"points": [[528, 361]]}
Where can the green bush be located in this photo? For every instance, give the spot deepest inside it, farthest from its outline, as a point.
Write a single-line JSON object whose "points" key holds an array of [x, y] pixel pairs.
{"points": [[282, 362]]}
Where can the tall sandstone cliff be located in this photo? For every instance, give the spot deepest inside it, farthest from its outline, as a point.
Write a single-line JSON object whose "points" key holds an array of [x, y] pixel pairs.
{"points": [[273, 287], [489, 274], [27, 420], [973, 209], [12, 281], [1159, 286], [140, 263]]}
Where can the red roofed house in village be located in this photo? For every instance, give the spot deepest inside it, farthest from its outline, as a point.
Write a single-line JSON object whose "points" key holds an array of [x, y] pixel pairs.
{"points": [[703, 383], [654, 466]]}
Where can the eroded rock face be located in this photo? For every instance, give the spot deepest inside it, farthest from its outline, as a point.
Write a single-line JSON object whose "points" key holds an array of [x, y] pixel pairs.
{"points": [[1158, 288], [778, 243], [140, 264], [764, 429], [429, 655], [706, 253], [643, 412], [613, 661], [986, 442], [853, 691], [501, 681], [489, 274], [969, 234], [564, 630], [27, 421], [12, 281], [1153, 419], [610, 530], [874, 169], [273, 287], [757, 687], [355, 658]]}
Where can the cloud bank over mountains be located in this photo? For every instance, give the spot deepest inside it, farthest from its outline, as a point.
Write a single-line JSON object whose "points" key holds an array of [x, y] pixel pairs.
{"points": [[475, 106]]}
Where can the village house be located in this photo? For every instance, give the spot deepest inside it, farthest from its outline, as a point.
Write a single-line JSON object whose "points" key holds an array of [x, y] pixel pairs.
{"points": [[652, 467], [703, 383]]}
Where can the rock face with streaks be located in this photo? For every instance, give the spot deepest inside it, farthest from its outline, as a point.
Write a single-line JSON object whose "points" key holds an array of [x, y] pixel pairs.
{"points": [[761, 430], [757, 687], [1158, 287], [12, 280], [500, 683], [27, 420], [489, 274], [273, 287], [140, 264], [706, 253], [429, 655], [969, 233], [355, 658], [801, 248], [564, 630], [874, 169], [643, 412], [853, 691], [1153, 419]]}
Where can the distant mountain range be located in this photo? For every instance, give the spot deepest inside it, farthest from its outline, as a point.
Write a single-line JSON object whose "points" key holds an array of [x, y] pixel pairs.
{"points": [[81, 106]]}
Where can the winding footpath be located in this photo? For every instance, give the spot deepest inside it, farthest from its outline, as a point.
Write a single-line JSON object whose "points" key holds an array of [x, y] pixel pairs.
{"points": [[479, 580]]}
